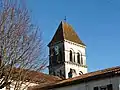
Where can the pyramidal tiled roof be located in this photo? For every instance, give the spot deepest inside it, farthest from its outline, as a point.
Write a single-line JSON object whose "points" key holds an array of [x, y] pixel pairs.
{"points": [[65, 32]]}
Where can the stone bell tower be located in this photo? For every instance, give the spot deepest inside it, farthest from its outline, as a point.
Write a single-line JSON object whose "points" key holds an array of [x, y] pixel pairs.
{"points": [[67, 55]]}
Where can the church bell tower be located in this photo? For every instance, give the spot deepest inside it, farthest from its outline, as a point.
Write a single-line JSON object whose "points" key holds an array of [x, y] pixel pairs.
{"points": [[67, 55]]}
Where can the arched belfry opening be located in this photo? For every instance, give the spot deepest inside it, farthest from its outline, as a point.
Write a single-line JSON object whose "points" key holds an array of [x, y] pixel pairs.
{"points": [[78, 57], [70, 55]]}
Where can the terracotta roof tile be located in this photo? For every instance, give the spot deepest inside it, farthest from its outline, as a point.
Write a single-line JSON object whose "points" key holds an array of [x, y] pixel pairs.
{"points": [[65, 32], [100, 74], [70, 34], [32, 76], [41, 77]]}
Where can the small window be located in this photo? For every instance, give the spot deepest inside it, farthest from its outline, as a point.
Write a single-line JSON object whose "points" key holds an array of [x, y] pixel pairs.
{"points": [[78, 58], [54, 73], [60, 72], [70, 55]]}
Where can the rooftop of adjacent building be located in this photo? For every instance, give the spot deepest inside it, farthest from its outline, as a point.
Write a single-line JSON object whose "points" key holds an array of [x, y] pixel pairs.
{"points": [[100, 74], [30, 76]]}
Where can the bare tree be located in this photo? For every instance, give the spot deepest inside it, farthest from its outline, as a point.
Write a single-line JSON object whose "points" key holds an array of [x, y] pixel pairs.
{"points": [[21, 47]]}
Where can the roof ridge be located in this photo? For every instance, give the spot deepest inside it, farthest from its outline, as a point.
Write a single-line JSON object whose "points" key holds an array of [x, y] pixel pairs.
{"points": [[63, 29]]}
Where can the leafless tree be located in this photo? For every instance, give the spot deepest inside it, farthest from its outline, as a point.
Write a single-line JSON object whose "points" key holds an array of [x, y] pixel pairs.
{"points": [[21, 47]]}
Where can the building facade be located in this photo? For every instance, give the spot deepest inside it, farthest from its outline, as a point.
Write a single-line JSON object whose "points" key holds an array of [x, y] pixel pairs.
{"points": [[107, 79], [104, 84], [67, 54]]}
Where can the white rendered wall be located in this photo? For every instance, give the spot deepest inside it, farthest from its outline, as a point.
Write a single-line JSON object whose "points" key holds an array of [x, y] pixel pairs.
{"points": [[90, 85], [119, 82], [75, 48], [76, 67]]}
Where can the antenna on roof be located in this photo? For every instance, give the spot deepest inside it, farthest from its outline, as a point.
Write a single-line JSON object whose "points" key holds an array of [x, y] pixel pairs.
{"points": [[65, 19]]}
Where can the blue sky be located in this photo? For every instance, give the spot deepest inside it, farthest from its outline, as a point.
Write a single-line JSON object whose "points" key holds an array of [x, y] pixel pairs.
{"points": [[97, 22]]}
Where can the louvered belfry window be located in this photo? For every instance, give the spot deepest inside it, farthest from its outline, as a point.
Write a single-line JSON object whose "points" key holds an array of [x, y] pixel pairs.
{"points": [[107, 87], [110, 87], [95, 88]]}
